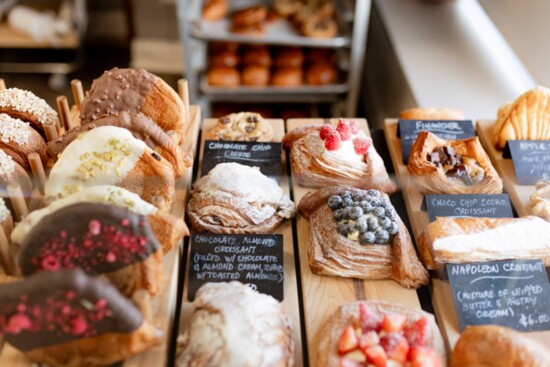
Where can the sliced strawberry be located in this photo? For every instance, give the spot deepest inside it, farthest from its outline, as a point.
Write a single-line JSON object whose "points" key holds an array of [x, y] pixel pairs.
{"points": [[368, 320], [345, 362], [424, 357], [333, 141], [393, 322], [415, 333], [369, 338], [354, 126], [396, 346], [348, 340], [361, 145], [325, 130], [344, 129], [376, 355]]}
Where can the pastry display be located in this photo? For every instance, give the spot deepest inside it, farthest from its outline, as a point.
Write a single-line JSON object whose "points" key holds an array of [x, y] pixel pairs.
{"points": [[324, 155], [141, 127], [357, 234], [526, 118], [233, 198], [67, 318], [25, 106], [18, 139], [287, 77], [321, 74], [255, 75], [312, 18], [232, 325], [214, 10], [135, 91], [168, 229], [431, 113], [102, 239], [289, 57], [540, 200], [256, 55], [110, 155], [497, 346], [11, 171], [242, 126], [452, 166], [368, 333], [460, 240]]}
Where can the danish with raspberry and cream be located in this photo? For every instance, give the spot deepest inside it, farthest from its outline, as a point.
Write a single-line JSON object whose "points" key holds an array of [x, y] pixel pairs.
{"points": [[324, 155]]}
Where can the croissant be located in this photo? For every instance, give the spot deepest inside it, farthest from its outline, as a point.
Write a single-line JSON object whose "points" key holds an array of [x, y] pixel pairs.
{"points": [[497, 346], [242, 126], [11, 171], [452, 166], [459, 240], [352, 160], [340, 246], [71, 319], [110, 155], [141, 127], [237, 199], [527, 118]]}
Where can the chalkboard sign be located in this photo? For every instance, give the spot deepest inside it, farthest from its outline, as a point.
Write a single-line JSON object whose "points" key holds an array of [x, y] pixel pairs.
{"points": [[267, 156], [474, 205], [531, 160], [512, 293], [409, 129], [255, 259]]}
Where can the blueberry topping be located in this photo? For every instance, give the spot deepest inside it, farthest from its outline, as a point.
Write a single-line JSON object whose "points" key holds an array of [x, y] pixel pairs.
{"points": [[355, 212], [373, 223], [334, 202], [346, 212], [338, 214], [367, 238], [382, 236], [374, 193], [347, 194], [385, 223], [379, 211], [343, 229], [361, 225], [390, 213], [376, 201], [366, 206], [394, 228], [347, 202], [358, 197]]}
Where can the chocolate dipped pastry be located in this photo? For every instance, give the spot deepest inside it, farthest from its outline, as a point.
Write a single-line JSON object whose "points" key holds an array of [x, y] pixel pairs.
{"points": [[110, 155], [237, 199], [141, 127], [242, 126], [19, 139], [324, 155], [134, 90], [357, 234], [102, 239], [26, 106], [11, 171], [232, 325], [168, 229], [67, 318], [452, 166]]}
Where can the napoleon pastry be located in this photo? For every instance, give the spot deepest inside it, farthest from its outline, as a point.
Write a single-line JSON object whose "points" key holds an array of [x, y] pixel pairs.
{"points": [[322, 156], [452, 166], [233, 198], [356, 233], [377, 334], [232, 325], [242, 126]]}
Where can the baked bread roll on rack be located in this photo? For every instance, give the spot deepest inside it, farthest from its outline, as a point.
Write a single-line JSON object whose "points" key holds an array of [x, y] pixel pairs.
{"points": [[380, 334], [357, 234], [323, 156], [242, 126], [135, 91], [237, 199], [497, 346], [110, 155], [460, 240], [452, 166], [232, 325], [102, 239], [67, 318], [141, 127], [26, 106], [168, 229], [19, 139]]}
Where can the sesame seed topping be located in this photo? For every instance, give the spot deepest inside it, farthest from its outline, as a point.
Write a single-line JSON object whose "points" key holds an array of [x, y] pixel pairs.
{"points": [[7, 165], [4, 211], [14, 130], [25, 101]]}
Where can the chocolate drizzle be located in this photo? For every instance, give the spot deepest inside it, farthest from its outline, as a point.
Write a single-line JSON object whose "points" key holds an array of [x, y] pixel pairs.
{"points": [[56, 307], [116, 90], [448, 159], [100, 238]]}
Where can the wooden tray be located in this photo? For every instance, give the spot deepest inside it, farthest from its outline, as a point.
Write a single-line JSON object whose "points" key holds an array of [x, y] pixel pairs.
{"points": [[163, 305], [440, 290], [322, 295], [290, 302]]}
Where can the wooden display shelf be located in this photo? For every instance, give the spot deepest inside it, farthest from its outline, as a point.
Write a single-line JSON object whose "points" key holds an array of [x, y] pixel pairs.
{"points": [[440, 290], [163, 305], [322, 295], [290, 302]]}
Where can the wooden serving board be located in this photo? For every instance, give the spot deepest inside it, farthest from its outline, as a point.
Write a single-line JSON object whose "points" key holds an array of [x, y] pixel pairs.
{"points": [[440, 290], [322, 295], [519, 194], [163, 305], [290, 302]]}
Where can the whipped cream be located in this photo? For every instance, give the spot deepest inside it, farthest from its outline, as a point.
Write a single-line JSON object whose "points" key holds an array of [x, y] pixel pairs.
{"points": [[347, 151]]}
